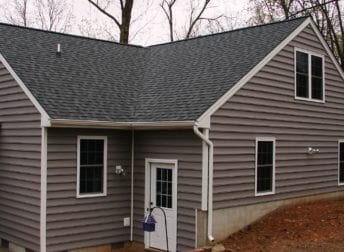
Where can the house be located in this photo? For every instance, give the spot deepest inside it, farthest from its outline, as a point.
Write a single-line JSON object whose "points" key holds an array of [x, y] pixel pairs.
{"points": [[217, 130]]}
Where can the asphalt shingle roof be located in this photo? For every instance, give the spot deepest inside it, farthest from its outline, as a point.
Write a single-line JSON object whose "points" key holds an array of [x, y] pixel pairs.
{"points": [[105, 81]]}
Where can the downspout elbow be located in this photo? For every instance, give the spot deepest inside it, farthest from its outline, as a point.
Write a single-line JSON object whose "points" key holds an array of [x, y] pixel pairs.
{"points": [[211, 238]]}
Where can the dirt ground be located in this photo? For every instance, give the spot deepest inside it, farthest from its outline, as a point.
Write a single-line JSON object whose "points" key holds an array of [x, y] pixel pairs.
{"points": [[317, 226]]}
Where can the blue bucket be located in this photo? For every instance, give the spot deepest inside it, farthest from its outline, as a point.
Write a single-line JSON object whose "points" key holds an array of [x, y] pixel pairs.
{"points": [[149, 223]]}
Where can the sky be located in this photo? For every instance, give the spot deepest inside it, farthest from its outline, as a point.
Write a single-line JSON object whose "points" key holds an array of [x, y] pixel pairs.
{"points": [[149, 23]]}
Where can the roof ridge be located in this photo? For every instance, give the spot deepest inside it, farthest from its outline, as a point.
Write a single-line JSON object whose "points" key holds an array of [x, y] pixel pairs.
{"points": [[160, 44], [70, 35], [235, 30]]}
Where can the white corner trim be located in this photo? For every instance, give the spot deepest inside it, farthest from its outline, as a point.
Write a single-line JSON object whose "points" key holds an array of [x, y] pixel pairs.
{"points": [[339, 142], [132, 185], [104, 193], [43, 210], [44, 114], [252, 72], [327, 49], [267, 139]]}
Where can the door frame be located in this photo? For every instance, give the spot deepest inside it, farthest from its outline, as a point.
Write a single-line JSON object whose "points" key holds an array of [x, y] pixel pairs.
{"points": [[148, 163]]}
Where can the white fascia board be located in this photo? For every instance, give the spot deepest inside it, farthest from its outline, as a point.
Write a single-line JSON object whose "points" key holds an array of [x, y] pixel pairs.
{"points": [[205, 117], [120, 125], [44, 114]]}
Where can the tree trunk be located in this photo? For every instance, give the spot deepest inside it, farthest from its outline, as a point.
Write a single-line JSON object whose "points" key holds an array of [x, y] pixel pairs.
{"points": [[126, 18]]}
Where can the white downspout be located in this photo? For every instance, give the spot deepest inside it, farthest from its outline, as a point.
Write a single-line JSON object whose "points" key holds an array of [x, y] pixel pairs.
{"points": [[132, 186], [210, 181], [43, 209]]}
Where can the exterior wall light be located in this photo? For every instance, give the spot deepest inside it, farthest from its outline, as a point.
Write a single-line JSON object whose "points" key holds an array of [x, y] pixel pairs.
{"points": [[119, 170], [312, 150]]}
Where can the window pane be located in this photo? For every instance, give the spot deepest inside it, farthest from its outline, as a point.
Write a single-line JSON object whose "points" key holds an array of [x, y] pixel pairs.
{"points": [[264, 179], [302, 85], [265, 166], [341, 151], [302, 80], [341, 162], [91, 179], [317, 78], [317, 88], [91, 165], [163, 188], [302, 62], [265, 153], [317, 66]]}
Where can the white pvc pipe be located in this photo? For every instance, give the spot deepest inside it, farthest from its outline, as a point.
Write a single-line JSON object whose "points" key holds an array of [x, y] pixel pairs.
{"points": [[210, 181], [132, 186]]}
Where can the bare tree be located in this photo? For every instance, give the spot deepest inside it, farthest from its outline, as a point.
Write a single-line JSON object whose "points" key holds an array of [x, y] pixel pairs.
{"points": [[123, 24], [167, 6], [53, 15], [19, 14], [194, 19], [272, 10], [327, 14]]}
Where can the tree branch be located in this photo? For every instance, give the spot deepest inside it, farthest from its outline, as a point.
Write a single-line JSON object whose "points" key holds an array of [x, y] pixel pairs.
{"points": [[106, 13], [122, 4], [169, 15], [312, 7], [193, 23]]}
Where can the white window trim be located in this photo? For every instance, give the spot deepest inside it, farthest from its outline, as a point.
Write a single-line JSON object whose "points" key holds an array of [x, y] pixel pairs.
{"points": [[310, 54], [92, 195], [339, 142], [268, 139]]}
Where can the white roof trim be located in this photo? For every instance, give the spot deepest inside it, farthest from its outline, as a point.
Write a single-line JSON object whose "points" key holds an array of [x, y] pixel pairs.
{"points": [[219, 103], [44, 114], [120, 125]]}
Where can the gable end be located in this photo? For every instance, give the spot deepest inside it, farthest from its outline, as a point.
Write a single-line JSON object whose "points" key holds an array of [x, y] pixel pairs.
{"points": [[44, 115], [204, 119]]}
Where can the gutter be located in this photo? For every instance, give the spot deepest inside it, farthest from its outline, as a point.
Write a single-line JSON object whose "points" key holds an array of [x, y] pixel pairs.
{"points": [[118, 125], [210, 166]]}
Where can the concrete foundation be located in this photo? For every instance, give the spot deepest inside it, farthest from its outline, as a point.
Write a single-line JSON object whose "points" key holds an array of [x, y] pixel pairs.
{"points": [[16, 248], [230, 220], [105, 248]]}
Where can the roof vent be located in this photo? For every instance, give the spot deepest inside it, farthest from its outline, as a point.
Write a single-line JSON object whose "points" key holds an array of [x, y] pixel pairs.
{"points": [[58, 49]]}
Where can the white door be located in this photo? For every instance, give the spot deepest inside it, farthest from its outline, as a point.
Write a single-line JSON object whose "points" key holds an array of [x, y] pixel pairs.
{"points": [[163, 196]]}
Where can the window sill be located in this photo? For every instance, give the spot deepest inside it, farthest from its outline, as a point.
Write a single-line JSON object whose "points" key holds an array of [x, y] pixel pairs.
{"points": [[309, 100], [341, 184], [81, 196], [257, 194]]}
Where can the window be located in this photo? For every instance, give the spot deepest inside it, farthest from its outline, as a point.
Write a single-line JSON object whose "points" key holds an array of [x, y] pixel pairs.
{"points": [[309, 76], [265, 166], [92, 166], [341, 162], [164, 188]]}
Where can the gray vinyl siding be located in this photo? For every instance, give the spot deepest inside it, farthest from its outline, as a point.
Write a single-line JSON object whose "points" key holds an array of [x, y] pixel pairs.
{"points": [[184, 146], [86, 222], [20, 162], [265, 107]]}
